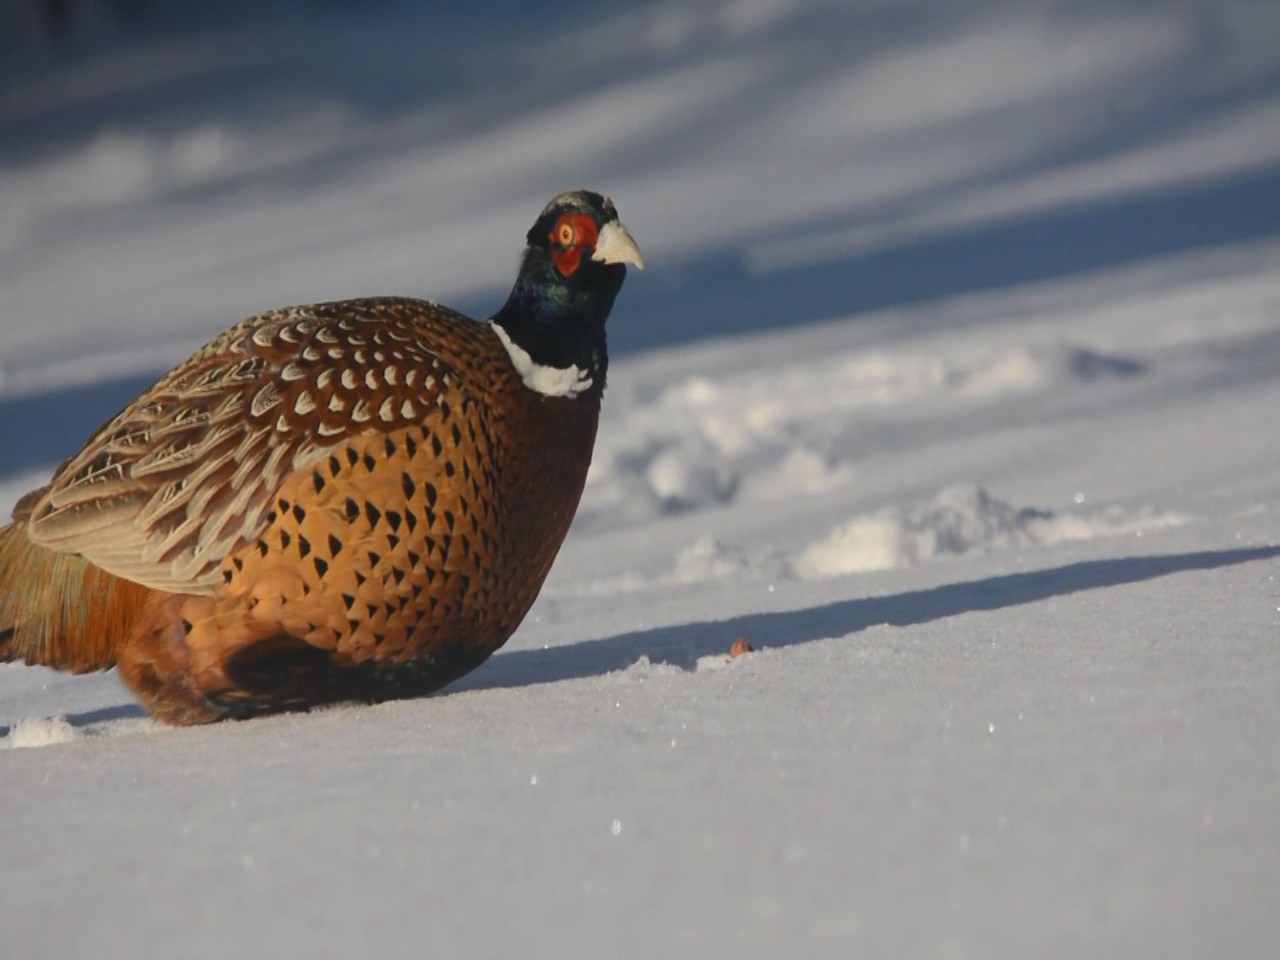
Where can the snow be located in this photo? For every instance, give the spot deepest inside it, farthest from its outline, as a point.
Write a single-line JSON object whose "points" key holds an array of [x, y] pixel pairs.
{"points": [[38, 732], [958, 520], [950, 385]]}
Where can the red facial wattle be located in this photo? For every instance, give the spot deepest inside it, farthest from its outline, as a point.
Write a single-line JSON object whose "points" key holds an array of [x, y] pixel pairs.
{"points": [[573, 234]]}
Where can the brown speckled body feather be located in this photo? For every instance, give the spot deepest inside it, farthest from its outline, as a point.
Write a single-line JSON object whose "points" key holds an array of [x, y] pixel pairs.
{"points": [[350, 500]]}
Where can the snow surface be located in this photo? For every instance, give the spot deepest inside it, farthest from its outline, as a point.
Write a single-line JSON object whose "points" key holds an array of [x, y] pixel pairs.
{"points": [[951, 386]]}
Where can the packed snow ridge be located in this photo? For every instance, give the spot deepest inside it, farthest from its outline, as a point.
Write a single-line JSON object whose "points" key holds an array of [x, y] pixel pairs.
{"points": [[958, 520], [38, 732], [775, 431]]}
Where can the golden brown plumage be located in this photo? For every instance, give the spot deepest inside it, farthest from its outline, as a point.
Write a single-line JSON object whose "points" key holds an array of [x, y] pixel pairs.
{"points": [[348, 500]]}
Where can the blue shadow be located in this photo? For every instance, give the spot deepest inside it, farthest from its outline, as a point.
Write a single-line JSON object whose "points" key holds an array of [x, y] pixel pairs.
{"points": [[683, 644]]}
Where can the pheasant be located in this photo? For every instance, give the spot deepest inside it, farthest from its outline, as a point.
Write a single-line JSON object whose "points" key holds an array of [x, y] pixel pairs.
{"points": [[357, 500]]}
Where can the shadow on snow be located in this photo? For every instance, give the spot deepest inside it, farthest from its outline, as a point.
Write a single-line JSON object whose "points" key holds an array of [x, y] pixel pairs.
{"points": [[683, 644]]}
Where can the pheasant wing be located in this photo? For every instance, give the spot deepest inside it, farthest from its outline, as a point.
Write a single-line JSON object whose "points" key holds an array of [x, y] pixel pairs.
{"points": [[186, 473]]}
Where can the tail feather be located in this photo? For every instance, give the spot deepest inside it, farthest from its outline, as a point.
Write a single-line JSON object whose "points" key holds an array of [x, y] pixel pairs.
{"points": [[59, 610]]}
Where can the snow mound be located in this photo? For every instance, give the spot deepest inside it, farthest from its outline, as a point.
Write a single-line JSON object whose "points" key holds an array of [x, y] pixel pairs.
{"points": [[801, 470], [709, 559], [120, 721], [769, 432], [39, 732], [958, 520], [689, 475], [645, 668]]}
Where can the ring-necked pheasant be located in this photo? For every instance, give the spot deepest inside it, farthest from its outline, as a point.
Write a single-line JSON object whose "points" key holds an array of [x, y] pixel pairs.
{"points": [[351, 500]]}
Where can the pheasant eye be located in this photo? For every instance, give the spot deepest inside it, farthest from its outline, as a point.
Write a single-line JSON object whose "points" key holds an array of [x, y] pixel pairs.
{"points": [[565, 234]]}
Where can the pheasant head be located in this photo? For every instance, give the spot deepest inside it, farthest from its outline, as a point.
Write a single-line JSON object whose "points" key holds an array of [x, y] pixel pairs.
{"points": [[553, 323]]}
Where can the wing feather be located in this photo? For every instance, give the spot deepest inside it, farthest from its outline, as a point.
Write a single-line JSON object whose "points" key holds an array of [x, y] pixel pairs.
{"points": [[188, 471]]}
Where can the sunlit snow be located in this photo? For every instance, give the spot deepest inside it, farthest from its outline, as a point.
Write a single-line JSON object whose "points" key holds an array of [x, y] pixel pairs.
{"points": [[950, 386]]}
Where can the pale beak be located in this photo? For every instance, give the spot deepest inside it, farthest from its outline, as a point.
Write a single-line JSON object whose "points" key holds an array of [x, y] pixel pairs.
{"points": [[614, 245]]}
